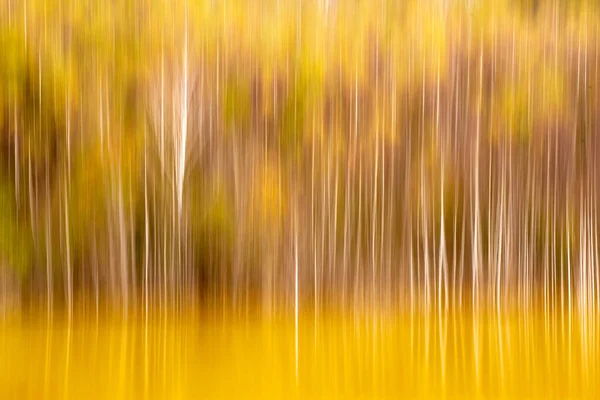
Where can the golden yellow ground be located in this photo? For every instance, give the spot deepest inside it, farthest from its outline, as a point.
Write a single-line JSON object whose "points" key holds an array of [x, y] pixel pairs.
{"points": [[216, 355]]}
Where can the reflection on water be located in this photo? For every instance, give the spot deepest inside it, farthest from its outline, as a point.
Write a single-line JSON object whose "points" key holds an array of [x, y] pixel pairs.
{"points": [[224, 355]]}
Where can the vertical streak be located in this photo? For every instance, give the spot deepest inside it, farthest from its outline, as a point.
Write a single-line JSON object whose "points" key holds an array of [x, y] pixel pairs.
{"points": [[296, 293]]}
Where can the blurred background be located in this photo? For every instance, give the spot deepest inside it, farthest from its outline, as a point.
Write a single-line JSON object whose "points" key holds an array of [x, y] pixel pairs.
{"points": [[431, 164]]}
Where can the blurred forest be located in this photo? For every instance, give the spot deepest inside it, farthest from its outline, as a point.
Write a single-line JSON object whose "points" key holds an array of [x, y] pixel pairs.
{"points": [[318, 151]]}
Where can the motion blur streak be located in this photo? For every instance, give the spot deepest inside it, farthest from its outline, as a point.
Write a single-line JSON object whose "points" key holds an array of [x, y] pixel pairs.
{"points": [[312, 198]]}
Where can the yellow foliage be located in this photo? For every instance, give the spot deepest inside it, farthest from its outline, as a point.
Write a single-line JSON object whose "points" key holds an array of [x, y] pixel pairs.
{"points": [[268, 194], [531, 98]]}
